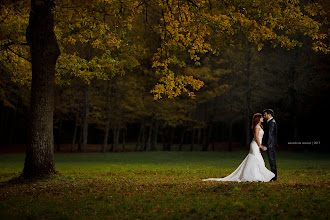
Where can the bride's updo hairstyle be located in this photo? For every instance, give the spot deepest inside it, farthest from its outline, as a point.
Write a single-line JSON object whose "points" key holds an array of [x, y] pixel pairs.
{"points": [[255, 120]]}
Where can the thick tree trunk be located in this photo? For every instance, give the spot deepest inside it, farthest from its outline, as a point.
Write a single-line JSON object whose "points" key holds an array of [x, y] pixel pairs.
{"points": [[85, 123], [44, 49]]}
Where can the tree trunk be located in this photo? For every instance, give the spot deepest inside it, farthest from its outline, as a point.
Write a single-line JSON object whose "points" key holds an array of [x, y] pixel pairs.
{"points": [[138, 142], [210, 135], [80, 138], [154, 137], [116, 144], [149, 137], [74, 135], [140, 145], [170, 138], [124, 139], [199, 140], [85, 123], [193, 133], [207, 137], [164, 133], [143, 142], [58, 148], [44, 49], [114, 136], [107, 125], [106, 134], [182, 139], [213, 145]]}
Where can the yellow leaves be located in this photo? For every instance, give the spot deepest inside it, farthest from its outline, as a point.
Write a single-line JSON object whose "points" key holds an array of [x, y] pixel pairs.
{"points": [[320, 46], [12, 61], [70, 40], [173, 86], [314, 9]]}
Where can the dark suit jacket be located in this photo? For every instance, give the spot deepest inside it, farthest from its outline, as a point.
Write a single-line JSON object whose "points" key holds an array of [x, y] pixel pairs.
{"points": [[270, 136]]}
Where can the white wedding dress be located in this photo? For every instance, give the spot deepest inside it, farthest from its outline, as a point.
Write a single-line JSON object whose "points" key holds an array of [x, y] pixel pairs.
{"points": [[252, 169]]}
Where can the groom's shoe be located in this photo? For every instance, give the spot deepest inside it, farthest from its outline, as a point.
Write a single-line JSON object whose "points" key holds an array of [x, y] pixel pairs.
{"points": [[273, 180]]}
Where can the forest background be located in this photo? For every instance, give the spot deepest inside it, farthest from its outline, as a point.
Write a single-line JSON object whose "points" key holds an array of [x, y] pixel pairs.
{"points": [[172, 75]]}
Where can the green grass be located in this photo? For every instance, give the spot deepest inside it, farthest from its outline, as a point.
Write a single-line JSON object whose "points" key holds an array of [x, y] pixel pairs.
{"points": [[165, 185]]}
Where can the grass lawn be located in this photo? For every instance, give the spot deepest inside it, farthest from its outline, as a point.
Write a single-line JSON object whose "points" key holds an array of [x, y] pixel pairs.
{"points": [[165, 185]]}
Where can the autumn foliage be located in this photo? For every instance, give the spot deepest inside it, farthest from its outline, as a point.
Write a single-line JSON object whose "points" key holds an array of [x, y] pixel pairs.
{"points": [[100, 39]]}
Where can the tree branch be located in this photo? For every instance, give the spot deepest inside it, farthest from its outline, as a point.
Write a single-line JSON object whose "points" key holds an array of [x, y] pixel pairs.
{"points": [[191, 2], [17, 54]]}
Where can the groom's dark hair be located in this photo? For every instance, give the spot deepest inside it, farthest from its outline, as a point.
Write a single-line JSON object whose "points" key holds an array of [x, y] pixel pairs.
{"points": [[269, 111]]}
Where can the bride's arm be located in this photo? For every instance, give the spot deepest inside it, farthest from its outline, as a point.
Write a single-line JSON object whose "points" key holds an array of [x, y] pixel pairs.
{"points": [[256, 137]]}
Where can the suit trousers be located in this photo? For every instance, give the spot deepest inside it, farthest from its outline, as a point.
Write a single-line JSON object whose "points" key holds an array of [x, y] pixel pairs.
{"points": [[272, 162]]}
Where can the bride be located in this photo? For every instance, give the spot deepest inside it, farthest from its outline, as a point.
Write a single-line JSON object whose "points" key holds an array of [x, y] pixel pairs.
{"points": [[253, 167]]}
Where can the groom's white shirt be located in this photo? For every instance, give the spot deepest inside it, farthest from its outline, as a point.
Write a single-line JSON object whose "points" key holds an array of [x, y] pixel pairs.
{"points": [[269, 119]]}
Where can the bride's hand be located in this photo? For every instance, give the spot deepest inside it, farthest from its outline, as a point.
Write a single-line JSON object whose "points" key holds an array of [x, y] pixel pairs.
{"points": [[264, 148]]}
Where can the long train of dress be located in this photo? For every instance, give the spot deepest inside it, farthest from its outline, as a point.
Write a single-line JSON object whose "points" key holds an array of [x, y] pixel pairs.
{"points": [[252, 169]]}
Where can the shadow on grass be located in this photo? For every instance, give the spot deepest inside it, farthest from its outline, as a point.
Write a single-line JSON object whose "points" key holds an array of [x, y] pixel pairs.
{"points": [[20, 180]]}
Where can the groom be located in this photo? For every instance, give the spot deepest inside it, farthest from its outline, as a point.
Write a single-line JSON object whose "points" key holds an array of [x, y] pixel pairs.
{"points": [[270, 139]]}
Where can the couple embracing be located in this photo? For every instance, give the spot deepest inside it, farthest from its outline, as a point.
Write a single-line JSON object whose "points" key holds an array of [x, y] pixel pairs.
{"points": [[253, 168]]}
